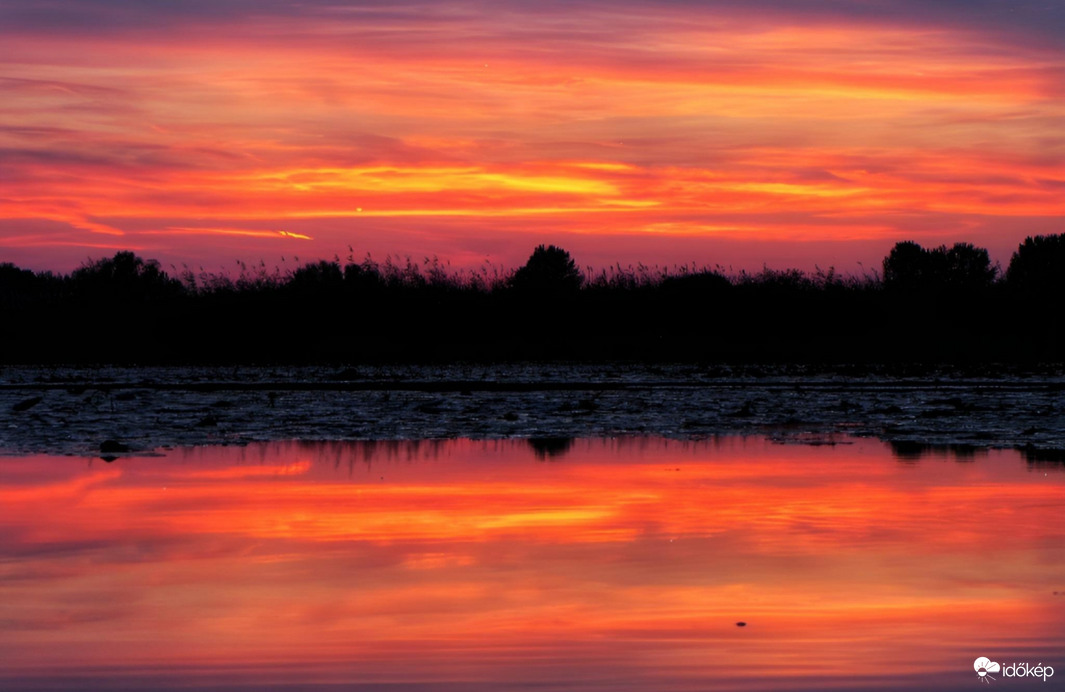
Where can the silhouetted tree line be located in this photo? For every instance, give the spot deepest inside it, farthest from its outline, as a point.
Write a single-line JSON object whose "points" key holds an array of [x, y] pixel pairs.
{"points": [[944, 304]]}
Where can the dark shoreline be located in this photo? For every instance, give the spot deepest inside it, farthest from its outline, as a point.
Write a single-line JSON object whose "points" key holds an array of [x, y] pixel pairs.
{"points": [[938, 305]]}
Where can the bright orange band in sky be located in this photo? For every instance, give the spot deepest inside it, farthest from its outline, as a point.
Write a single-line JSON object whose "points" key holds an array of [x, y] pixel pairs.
{"points": [[625, 132]]}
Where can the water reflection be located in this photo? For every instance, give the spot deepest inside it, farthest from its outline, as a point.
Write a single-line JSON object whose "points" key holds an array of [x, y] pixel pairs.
{"points": [[473, 565], [915, 451], [550, 447]]}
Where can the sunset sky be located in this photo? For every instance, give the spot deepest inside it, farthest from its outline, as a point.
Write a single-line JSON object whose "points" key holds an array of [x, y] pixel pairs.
{"points": [[792, 133]]}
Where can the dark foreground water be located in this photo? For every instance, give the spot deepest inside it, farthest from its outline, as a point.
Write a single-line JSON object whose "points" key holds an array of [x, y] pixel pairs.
{"points": [[621, 564], [76, 410]]}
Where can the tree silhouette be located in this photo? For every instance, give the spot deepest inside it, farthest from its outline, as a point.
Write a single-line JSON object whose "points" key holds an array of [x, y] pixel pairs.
{"points": [[125, 276], [550, 270], [1038, 265], [967, 267], [14, 279], [906, 266], [963, 267]]}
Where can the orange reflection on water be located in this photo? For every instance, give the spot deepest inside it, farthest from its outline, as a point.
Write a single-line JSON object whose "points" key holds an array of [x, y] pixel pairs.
{"points": [[620, 564]]}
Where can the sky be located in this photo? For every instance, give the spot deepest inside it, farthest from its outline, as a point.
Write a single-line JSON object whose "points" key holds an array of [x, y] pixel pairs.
{"points": [[790, 133]]}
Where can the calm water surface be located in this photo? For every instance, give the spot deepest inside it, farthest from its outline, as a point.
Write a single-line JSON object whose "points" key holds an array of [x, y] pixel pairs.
{"points": [[587, 565]]}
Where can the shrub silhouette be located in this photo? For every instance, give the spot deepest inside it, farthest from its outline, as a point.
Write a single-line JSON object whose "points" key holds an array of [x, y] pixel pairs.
{"points": [[359, 277], [550, 270], [1038, 264], [316, 278], [699, 284]]}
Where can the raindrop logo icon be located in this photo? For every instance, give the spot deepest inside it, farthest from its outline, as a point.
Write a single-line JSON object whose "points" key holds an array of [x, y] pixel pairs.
{"points": [[984, 667]]}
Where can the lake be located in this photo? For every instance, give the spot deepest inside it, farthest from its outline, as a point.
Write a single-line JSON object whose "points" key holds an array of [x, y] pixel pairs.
{"points": [[551, 564]]}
